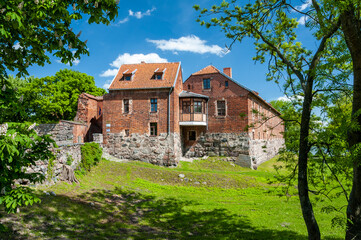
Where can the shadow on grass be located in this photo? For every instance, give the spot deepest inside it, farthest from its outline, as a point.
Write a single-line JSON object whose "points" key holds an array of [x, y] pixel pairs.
{"points": [[121, 214]]}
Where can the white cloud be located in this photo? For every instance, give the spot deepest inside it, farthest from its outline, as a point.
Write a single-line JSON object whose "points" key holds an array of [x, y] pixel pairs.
{"points": [[306, 4], [127, 58], [189, 43], [123, 20], [17, 46], [107, 84], [290, 98], [109, 73], [302, 20], [139, 14]]}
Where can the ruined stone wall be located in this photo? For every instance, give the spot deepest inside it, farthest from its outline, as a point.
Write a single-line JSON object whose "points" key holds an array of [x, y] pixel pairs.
{"points": [[220, 144], [162, 150], [64, 132], [262, 150], [237, 146], [65, 155]]}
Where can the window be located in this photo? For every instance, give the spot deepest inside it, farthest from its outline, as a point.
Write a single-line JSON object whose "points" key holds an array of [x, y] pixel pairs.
{"points": [[186, 106], [100, 111], [153, 129], [191, 135], [197, 107], [126, 105], [221, 108], [226, 84], [207, 83], [126, 132], [153, 105], [158, 76], [127, 77], [189, 87]]}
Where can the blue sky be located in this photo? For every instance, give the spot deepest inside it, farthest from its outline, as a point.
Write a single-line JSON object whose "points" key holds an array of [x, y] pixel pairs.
{"points": [[162, 30]]}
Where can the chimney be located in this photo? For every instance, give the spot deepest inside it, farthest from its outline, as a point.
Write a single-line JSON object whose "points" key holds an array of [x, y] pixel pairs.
{"points": [[228, 71]]}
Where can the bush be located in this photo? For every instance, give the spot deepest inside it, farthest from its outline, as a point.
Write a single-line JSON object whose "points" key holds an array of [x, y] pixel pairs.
{"points": [[91, 153]]}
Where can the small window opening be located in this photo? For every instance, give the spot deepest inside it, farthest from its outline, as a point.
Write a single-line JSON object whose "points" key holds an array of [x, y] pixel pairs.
{"points": [[226, 84], [126, 105], [153, 129], [192, 135]]}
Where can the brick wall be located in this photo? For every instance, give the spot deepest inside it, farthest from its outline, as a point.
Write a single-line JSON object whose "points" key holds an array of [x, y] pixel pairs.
{"points": [[234, 96], [139, 117], [238, 101], [90, 112]]}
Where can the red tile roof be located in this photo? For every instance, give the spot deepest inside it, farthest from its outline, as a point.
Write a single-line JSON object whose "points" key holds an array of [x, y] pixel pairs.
{"points": [[144, 76], [207, 70]]}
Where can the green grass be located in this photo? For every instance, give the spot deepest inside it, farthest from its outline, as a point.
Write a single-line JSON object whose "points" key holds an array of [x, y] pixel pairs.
{"points": [[136, 200]]}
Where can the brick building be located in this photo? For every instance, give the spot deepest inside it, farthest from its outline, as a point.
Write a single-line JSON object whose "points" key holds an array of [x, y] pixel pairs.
{"points": [[150, 115]]}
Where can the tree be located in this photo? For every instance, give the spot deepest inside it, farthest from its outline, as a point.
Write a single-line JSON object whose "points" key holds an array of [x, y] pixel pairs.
{"points": [[30, 30], [56, 97], [351, 27], [306, 72], [11, 104], [20, 147]]}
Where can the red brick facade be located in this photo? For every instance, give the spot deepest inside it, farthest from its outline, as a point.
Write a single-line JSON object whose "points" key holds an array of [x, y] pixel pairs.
{"points": [[244, 109], [90, 112], [151, 100], [117, 118]]}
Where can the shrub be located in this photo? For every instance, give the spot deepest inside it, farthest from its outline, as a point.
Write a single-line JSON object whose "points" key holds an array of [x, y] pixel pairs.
{"points": [[91, 153]]}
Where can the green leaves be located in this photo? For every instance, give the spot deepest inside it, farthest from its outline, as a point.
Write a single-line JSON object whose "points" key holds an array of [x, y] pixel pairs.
{"points": [[20, 147], [46, 99], [33, 26]]}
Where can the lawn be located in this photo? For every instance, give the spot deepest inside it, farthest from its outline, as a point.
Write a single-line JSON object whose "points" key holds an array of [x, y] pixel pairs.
{"points": [[136, 200]]}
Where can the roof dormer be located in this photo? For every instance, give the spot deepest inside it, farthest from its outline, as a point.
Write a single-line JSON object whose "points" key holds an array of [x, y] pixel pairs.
{"points": [[128, 76], [158, 74]]}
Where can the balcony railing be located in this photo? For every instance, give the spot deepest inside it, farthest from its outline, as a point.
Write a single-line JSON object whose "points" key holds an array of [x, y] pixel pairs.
{"points": [[193, 117]]}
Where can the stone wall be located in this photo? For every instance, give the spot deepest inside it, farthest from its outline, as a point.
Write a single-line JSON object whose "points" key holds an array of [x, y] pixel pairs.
{"points": [[162, 150], [64, 132], [262, 150], [68, 136], [238, 147], [65, 155]]}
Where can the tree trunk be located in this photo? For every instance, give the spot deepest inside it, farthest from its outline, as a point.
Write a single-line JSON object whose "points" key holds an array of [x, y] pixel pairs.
{"points": [[306, 206], [68, 174], [351, 29]]}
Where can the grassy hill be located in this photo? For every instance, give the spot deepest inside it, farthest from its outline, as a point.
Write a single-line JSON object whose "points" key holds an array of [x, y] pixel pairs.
{"points": [[134, 200]]}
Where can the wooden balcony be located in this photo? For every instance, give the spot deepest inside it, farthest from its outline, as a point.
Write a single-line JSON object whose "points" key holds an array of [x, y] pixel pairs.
{"points": [[193, 109], [192, 119]]}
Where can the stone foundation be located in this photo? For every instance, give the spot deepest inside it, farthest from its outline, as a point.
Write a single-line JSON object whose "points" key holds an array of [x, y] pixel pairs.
{"points": [[162, 150]]}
